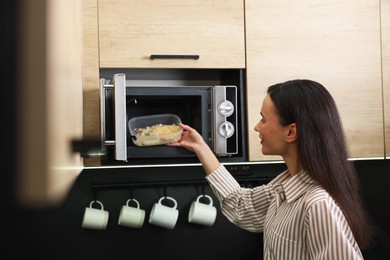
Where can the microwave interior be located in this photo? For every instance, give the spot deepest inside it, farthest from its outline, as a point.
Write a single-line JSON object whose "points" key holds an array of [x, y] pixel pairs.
{"points": [[190, 104]]}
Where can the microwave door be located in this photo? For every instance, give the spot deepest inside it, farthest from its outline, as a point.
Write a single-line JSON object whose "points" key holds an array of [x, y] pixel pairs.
{"points": [[119, 87], [120, 116]]}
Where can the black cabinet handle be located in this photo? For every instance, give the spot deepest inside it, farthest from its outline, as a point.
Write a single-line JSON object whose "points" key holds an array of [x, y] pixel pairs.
{"points": [[158, 56]]}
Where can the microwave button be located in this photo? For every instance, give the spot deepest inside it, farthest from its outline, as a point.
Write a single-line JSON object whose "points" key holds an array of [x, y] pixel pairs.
{"points": [[226, 129], [226, 108]]}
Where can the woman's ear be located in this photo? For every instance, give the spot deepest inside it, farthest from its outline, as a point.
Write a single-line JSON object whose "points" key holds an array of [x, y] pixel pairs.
{"points": [[292, 133]]}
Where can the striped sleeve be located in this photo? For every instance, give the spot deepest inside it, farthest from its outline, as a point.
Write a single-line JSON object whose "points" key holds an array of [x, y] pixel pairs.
{"points": [[328, 233], [244, 207]]}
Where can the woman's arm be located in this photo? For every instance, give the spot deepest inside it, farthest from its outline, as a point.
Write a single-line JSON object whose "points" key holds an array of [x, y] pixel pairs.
{"points": [[245, 208]]}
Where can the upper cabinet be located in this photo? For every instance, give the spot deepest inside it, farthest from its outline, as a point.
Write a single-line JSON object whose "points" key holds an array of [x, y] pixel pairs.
{"points": [[125, 33], [336, 43], [130, 31], [50, 101], [385, 19], [342, 44]]}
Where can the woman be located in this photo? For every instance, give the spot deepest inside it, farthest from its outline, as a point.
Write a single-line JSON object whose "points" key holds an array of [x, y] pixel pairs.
{"points": [[312, 210]]}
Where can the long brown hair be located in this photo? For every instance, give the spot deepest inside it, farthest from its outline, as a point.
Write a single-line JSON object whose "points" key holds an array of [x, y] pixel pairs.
{"points": [[322, 148]]}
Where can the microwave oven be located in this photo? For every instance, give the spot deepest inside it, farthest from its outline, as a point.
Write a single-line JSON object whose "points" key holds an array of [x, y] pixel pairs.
{"points": [[214, 111]]}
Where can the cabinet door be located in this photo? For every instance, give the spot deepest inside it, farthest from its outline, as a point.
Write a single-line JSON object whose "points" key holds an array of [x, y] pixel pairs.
{"points": [[50, 112], [336, 43], [91, 90], [385, 19], [132, 30]]}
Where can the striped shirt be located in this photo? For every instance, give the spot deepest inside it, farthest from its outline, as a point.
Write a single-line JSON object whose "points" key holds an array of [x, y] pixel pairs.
{"points": [[298, 218]]}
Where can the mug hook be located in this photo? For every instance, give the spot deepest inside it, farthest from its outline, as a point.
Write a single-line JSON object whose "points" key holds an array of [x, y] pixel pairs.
{"points": [[94, 191], [131, 190], [203, 190], [165, 190]]}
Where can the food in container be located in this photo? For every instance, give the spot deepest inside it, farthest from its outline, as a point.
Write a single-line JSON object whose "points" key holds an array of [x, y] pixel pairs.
{"points": [[155, 129]]}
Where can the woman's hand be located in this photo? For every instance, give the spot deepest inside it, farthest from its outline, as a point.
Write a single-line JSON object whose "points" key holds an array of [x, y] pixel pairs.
{"points": [[193, 141], [190, 139]]}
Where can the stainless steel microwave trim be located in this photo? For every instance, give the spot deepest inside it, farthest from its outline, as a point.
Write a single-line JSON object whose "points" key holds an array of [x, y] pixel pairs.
{"points": [[103, 90], [223, 128]]}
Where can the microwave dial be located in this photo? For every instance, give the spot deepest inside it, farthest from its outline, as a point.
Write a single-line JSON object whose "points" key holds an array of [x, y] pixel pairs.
{"points": [[226, 108], [226, 129]]}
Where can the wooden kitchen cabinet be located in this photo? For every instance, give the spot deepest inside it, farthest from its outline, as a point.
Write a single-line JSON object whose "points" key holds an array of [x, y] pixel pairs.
{"points": [[49, 97], [337, 43], [132, 30], [124, 33], [91, 90], [385, 19]]}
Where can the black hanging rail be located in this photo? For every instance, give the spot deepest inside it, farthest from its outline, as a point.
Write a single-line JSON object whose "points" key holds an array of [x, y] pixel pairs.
{"points": [[108, 186]]}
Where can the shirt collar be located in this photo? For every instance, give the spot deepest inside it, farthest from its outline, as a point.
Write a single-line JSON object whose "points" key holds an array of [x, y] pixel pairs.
{"points": [[293, 186]]}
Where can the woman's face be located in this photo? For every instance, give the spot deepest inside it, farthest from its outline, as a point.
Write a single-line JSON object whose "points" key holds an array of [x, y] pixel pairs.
{"points": [[272, 135]]}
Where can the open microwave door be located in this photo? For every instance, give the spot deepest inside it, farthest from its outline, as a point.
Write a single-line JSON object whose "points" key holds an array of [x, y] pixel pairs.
{"points": [[119, 88]]}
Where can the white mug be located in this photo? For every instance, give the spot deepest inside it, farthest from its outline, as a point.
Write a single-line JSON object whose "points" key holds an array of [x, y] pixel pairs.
{"points": [[131, 216], [164, 216], [95, 218], [202, 214]]}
